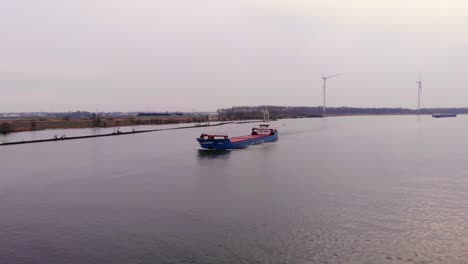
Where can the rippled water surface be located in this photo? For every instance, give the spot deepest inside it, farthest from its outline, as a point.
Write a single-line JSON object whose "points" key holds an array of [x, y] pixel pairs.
{"points": [[390, 189]]}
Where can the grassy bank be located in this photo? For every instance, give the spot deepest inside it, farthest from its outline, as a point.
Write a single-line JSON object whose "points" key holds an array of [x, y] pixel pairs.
{"points": [[19, 125]]}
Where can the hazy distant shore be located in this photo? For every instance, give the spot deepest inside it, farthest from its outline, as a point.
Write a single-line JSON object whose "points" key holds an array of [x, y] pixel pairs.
{"points": [[79, 119]]}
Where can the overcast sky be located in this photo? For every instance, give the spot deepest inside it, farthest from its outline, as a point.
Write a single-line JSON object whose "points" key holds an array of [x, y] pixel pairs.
{"points": [[136, 55]]}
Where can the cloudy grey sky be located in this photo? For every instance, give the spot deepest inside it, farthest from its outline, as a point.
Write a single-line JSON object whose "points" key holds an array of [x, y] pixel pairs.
{"points": [[137, 55]]}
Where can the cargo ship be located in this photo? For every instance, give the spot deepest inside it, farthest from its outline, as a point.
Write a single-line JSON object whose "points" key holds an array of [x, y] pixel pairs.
{"points": [[260, 134], [441, 115]]}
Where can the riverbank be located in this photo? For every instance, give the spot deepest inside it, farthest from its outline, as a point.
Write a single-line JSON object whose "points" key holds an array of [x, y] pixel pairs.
{"points": [[32, 124], [115, 133]]}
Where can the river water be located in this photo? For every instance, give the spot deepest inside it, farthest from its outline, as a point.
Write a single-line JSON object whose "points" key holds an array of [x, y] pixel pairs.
{"points": [[387, 189], [76, 132]]}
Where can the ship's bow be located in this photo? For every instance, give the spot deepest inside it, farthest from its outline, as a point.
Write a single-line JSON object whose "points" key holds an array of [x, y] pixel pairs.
{"points": [[217, 144]]}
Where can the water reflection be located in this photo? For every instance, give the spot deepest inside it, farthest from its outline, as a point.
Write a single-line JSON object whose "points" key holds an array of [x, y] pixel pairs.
{"points": [[324, 123], [213, 154]]}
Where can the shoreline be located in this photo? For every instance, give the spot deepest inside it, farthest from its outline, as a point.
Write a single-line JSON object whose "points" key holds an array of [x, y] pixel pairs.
{"points": [[37, 124], [23, 125], [118, 133]]}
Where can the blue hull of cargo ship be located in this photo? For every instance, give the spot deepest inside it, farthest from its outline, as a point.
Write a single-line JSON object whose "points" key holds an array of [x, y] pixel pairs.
{"points": [[223, 144]]}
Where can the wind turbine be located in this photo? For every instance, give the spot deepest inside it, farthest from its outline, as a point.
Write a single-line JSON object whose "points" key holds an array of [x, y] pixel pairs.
{"points": [[324, 78], [419, 93]]}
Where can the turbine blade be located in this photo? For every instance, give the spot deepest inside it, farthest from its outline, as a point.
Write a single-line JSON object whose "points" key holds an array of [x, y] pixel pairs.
{"points": [[334, 75], [323, 76]]}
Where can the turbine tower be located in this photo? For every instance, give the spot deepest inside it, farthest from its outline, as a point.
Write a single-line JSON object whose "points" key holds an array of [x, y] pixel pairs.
{"points": [[419, 93], [324, 78]]}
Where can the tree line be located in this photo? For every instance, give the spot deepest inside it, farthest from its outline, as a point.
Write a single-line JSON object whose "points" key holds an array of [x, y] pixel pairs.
{"points": [[276, 112]]}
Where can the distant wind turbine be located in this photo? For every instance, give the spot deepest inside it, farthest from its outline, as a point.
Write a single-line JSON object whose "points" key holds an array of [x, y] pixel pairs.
{"points": [[419, 92], [324, 78]]}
